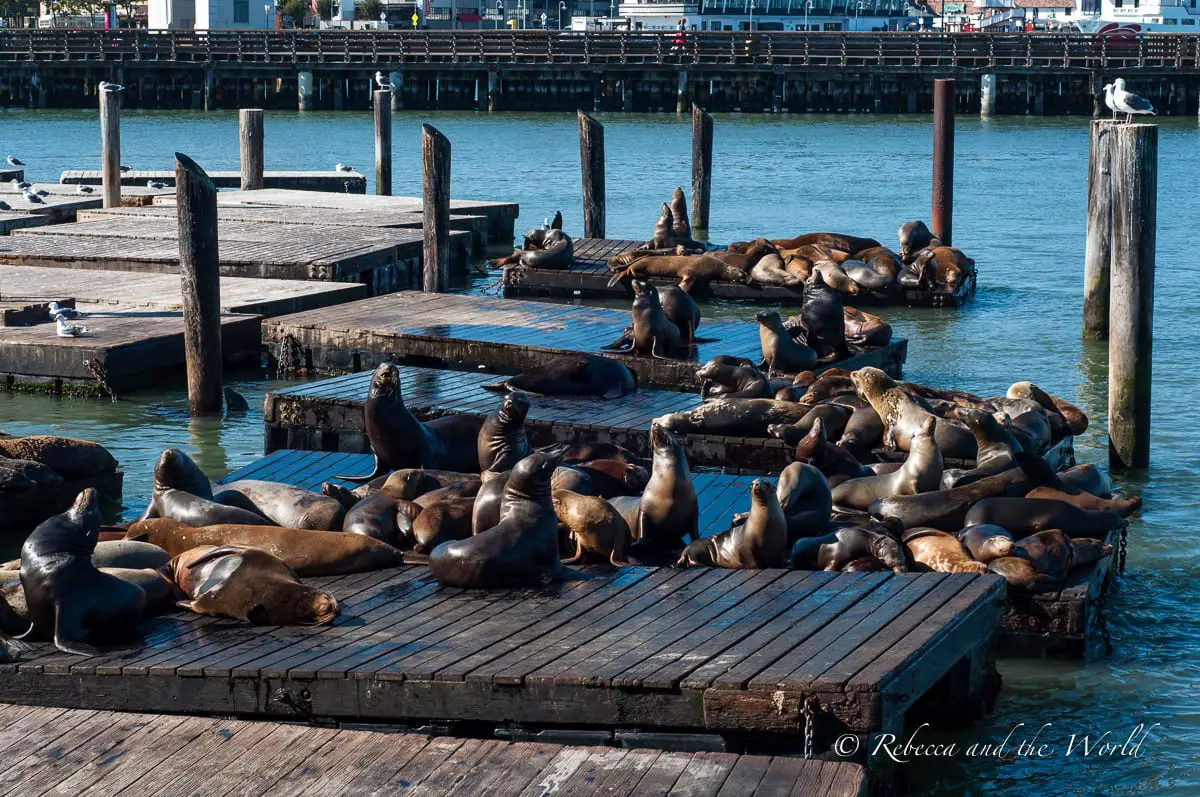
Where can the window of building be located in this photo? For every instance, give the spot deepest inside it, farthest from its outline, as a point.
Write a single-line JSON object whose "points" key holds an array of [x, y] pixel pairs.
{"points": [[1118, 3], [241, 11], [833, 26], [1189, 22]]}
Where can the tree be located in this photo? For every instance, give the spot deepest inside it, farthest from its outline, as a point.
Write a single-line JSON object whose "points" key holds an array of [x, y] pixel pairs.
{"points": [[296, 9], [325, 9], [367, 9]]}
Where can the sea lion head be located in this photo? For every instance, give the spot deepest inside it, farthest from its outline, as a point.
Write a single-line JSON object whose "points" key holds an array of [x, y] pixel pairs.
{"points": [[85, 513], [927, 428], [636, 477], [535, 240], [760, 491], [771, 320], [864, 564], [663, 440], [385, 381], [175, 470], [1085, 550], [812, 444], [514, 408], [913, 235], [708, 370], [870, 382], [302, 606], [73, 532], [886, 549], [532, 476]]}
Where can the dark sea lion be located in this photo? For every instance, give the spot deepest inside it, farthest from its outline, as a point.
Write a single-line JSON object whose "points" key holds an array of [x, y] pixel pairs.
{"points": [[833, 416], [780, 351], [920, 273], [442, 521], [986, 542], [653, 333], [309, 553], [346, 498], [573, 375], [1074, 418], [22, 475], [502, 441], [679, 214], [839, 548], [804, 495], [864, 329], [600, 532], [568, 477], [129, 555], [940, 552], [175, 470], [947, 509], [374, 517], [834, 276], [399, 440], [863, 432], [681, 310], [550, 249], [196, 511], [485, 511], [1023, 516], [824, 319], [612, 477], [411, 483], [248, 584], [759, 543], [914, 236], [903, 415], [865, 276], [995, 449], [1084, 500], [285, 505], [865, 564], [691, 270], [1089, 478], [1042, 561], [920, 473], [836, 463], [235, 402], [522, 549], [833, 240], [66, 456], [1034, 429], [734, 416], [69, 599], [160, 596], [668, 510], [468, 488], [735, 381]]}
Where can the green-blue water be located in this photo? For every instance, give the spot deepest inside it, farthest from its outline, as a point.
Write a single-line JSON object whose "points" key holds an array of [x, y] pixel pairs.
{"points": [[1020, 196]]}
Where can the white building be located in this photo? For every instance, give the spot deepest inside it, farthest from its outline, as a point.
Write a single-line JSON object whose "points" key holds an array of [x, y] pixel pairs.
{"points": [[211, 14], [774, 15]]}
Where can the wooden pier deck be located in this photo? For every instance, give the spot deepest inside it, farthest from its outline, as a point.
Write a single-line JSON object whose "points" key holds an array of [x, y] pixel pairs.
{"points": [[506, 336], [588, 277], [7, 174], [332, 181], [22, 221], [80, 752]]}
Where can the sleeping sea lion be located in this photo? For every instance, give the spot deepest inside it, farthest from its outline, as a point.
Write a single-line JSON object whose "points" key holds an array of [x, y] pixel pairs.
{"points": [[839, 548], [1023, 516], [833, 240], [884, 261], [866, 277], [734, 381], [947, 509], [769, 270], [442, 521], [759, 543], [1041, 562], [285, 505], [1074, 418], [411, 483], [948, 263], [940, 552], [573, 374], [1089, 478], [64, 455], [735, 416], [986, 542], [864, 329], [691, 270], [375, 517]]}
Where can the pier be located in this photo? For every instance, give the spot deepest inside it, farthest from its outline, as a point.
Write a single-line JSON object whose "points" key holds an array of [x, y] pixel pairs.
{"points": [[338, 182]]}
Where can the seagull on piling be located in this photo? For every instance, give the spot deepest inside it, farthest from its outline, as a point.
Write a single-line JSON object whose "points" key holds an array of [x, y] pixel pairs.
{"points": [[66, 330], [84, 189], [32, 198], [106, 86], [1129, 103], [66, 312], [14, 162], [383, 81], [155, 184], [1108, 99]]}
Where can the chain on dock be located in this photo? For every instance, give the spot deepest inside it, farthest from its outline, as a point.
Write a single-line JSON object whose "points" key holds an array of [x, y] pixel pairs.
{"points": [[810, 713]]}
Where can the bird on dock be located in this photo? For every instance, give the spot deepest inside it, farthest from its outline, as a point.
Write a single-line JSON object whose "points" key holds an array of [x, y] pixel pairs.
{"points": [[1129, 103], [106, 86], [42, 192], [155, 184], [341, 167], [383, 81], [20, 185], [85, 189], [68, 330], [125, 168], [14, 162], [66, 312], [32, 198]]}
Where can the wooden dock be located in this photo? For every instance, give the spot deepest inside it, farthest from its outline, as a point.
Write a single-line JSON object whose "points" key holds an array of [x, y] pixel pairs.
{"points": [[8, 174], [506, 336], [332, 181], [82, 752], [588, 277], [22, 221]]}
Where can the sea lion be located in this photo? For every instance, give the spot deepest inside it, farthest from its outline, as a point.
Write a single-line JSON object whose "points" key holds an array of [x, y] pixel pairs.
{"points": [[1023, 516], [833, 416], [836, 463], [193, 510], [573, 375], [522, 549], [833, 276], [769, 270], [442, 521], [249, 584], [668, 510], [884, 261], [22, 475], [653, 333], [948, 263], [69, 599], [681, 310], [710, 389], [864, 329], [129, 555], [759, 543], [375, 517], [550, 249], [67, 457], [780, 351], [920, 473], [995, 449], [399, 440], [1042, 561], [1084, 500], [865, 276], [411, 483], [612, 477], [914, 236], [803, 494], [485, 511], [679, 214], [502, 441], [832, 240], [863, 432], [468, 488], [986, 542], [309, 553], [347, 498], [947, 509], [823, 317], [919, 273], [160, 597], [734, 381], [865, 564], [903, 415], [940, 552], [288, 506], [691, 270], [839, 548], [568, 477], [1089, 478], [600, 532], [1074, 418], [734, 416], [175, 470]]}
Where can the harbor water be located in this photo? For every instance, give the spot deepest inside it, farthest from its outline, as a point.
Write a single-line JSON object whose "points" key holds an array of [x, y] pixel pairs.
{"points": [[1020, 195]]}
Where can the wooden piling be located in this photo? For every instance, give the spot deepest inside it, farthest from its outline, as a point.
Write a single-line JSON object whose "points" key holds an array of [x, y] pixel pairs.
{"points": [[435, 209], [702, 145], [110, 147], [196, 197], [943, 159], [1134, 153], [383, 142], [591, 159], [1098, 252], [250, 128]]}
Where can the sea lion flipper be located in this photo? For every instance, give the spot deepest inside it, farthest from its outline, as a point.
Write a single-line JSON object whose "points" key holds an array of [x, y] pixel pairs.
{"points": [[219, 551], [67, 629], [658, 348], [613, 393], [497, 387], [557, 223]]}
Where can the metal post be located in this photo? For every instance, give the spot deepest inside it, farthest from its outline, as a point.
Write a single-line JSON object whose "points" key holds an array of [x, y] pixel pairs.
{"points": [[591, 159], [383, 142], [250, 128], [435, 210], [199, 269], [943, 159], [110, 147]]}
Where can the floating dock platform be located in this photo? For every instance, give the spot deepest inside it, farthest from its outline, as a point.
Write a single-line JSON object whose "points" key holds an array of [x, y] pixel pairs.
{"points": [[350, 182], [104, 752], [505, 336], [588, 277]]}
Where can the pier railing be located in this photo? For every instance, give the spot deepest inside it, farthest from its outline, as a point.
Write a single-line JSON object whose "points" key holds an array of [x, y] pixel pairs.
{"points": [[962, 52]]}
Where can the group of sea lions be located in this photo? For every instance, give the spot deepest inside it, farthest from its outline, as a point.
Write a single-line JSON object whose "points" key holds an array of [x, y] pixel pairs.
{"points": [[547, 247]]}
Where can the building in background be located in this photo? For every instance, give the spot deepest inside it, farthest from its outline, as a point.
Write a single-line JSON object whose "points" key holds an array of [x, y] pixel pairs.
{"points": [[211, 14], [757, 15]]}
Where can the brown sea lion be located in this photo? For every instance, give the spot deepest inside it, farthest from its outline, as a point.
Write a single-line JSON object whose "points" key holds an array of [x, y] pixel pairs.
{"points": [[574, 374], [23, 475], [995, 449], [502, 441], [884, 261], [734, 416], [69, 599], [836, 463], [833, 276], [823, 317], [780, 351], [411, 483], [691, 270], [1023, 516], [399, 440], [1084, 500], [833, 416], [668, 510], [347, 498], [612, 477], [568, 477], [986, 542], [947, 509], [921, 473], [599, 531], [864, 329], [863, 432], [285, 505], [66, 456], [375, 517], [733, 381], [832, 240], [1042, 561], [759, 543], [468, 488], [903, 415], [839, 548], [949, 263], [309, 553], [248, 584], [1073, 417], [442, 521], [769, 270], [940, 552], [679, 215], [914, 236], [681, 310], [522, 549], [1089, 478], [865, 276], [653, 333]]}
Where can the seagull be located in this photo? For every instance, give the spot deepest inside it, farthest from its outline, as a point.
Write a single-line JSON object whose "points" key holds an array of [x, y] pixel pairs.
{"points": [[125, 168], [1108, 99], [42, 192], [341, 167], [14, 162], [383, 81], [32, 198], [65, 312], [84, 189], [66, 330], [106, 86], [1129, 103], [155, 184], [21, 185]]}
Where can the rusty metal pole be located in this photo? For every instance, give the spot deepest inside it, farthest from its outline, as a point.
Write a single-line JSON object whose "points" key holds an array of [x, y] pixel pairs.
{"points": [[943, 159]]}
